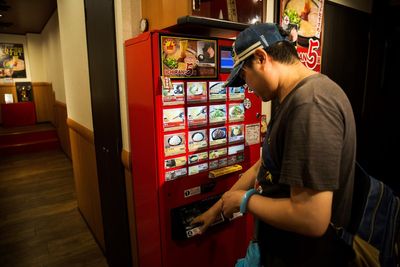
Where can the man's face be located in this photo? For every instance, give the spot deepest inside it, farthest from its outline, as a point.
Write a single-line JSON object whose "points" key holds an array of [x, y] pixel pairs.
{"points": [[256, 82]]}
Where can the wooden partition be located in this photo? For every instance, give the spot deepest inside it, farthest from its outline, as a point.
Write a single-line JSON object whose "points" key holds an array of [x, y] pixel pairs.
{"points": [[86, 180], [43, 98], [60, 122]]}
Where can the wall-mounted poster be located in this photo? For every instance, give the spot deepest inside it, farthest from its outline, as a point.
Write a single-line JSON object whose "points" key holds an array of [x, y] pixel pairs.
{"points": [[12, 61], [303, 19], [188, 57]]}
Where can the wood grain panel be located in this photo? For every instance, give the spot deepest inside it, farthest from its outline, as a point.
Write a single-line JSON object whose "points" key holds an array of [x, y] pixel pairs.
{"points": [[60, 122], [126, 161], [43, 98], [164, 13], [7, 89], [86, 180]]}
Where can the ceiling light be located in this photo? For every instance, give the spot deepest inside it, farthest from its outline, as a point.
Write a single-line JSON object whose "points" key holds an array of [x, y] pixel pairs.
{"points": [[1, 15]]}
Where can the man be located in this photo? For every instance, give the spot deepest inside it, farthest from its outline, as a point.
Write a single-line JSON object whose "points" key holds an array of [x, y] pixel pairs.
{"points": [[306, 172]]}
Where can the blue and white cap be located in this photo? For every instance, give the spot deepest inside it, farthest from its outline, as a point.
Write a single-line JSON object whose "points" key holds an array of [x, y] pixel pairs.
{"points": [[256, 36]]}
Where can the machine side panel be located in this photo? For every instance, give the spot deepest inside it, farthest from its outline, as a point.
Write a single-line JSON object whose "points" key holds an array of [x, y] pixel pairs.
{"points": [[143, 134]]}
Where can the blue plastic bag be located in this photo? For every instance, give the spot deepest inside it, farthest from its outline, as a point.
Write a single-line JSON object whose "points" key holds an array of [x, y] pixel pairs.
{"points": [[253, 258]]}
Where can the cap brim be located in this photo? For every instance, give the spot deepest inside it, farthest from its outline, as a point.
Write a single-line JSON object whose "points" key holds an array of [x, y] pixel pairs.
{"points": [[234, 79]]}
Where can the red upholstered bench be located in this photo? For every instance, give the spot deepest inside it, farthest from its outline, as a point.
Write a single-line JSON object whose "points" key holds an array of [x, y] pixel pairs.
{"points": [[18, 114]]}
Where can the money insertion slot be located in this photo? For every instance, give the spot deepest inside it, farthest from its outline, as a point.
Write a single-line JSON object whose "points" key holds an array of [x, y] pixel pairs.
{"points": [[224, 171]]}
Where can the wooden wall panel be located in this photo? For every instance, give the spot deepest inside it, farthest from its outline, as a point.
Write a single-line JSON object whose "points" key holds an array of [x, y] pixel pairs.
{"points": [[43, 97], [7, 89], [60, 122], [126, 161], [164, 13], [85, 176]]}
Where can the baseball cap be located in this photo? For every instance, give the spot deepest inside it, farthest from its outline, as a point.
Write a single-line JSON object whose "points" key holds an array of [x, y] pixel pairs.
{"points": [[260, 35]]}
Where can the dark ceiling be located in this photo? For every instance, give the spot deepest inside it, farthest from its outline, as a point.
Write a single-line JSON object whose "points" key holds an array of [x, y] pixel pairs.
{"points": [[25, 16]]}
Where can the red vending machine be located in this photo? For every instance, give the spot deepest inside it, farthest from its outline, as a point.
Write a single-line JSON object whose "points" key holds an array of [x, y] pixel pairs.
{"points": [[191, 139]]}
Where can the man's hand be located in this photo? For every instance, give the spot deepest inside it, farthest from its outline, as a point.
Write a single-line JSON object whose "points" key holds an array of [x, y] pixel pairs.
{"points": [[207, 218], [231, 202]]}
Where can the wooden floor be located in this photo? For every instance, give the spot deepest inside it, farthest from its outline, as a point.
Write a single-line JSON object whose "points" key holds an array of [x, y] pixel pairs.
{"points": [[40, 224]]}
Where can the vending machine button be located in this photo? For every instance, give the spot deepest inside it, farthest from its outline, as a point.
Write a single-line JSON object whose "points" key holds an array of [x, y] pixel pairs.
{"points": [[247, 103]]}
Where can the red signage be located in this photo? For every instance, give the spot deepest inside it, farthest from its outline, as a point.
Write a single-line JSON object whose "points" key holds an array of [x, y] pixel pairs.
{"points": [[304, 20]]}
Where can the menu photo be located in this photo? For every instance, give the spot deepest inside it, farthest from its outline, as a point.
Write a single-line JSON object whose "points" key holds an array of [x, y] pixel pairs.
{"points": [[197, 116], [175, 162], [235, 159], [236, 93], [195, 169], [174, 119], [174, 95], [236, 112], [222, 162], [217, 114], [218, 153], [232, 150], [172, 175], [197, 140], [198, 157], [236, 133], [216, 91], [174, 144], [196, 92], [213, 165], [218, 136]]}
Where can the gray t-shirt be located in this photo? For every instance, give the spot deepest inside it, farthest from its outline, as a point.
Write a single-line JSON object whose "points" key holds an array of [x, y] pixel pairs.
{"points": [[311, 143]]}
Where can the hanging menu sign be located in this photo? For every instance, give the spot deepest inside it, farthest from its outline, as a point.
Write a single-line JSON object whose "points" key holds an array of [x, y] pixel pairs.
{"points": [[304, 20], [188, 57]]}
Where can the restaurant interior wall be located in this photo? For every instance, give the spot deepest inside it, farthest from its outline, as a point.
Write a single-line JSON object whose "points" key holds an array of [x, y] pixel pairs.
{"points": [[34, 46]]}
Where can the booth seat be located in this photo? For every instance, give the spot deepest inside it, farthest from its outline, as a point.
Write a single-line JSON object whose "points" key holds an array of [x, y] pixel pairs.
{"points": [[18, 114]]}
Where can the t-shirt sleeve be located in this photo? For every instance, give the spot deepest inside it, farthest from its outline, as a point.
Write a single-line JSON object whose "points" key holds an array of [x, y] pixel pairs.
{"points": [[312, 148]]}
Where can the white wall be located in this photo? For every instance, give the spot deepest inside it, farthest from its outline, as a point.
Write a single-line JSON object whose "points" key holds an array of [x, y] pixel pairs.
{"points": [[19, 39], [71, 17], [52, 57], [34, 45]]}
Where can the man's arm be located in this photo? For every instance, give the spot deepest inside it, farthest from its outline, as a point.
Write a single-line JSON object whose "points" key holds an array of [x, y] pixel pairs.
{"points": [[245, 182], [306, 212]]}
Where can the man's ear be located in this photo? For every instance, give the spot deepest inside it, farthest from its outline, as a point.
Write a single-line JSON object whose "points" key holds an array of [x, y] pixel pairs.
{"points": [[261, 55]]}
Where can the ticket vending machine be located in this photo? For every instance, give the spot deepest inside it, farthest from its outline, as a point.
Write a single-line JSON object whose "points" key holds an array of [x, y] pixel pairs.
{"points": [[190, 140]]}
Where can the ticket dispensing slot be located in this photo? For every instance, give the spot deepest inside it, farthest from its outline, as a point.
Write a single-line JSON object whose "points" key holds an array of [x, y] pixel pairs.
{"points": [[181, 217]]}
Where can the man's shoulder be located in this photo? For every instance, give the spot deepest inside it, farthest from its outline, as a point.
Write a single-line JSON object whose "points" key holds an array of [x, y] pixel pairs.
{"points": [[317, 88]]}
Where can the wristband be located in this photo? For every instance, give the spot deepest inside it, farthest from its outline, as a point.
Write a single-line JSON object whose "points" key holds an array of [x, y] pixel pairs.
{"points": [[245, 199]]}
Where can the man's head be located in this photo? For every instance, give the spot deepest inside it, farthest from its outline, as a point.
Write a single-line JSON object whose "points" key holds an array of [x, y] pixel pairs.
{"points": [[267, 36]]}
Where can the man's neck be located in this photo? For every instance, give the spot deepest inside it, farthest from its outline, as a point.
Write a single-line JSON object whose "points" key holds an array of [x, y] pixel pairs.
{"points": [[290, 76]]}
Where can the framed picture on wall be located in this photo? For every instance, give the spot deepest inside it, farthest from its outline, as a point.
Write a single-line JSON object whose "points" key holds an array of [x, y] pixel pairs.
{"points": [[12, 61], [24, 91]]}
